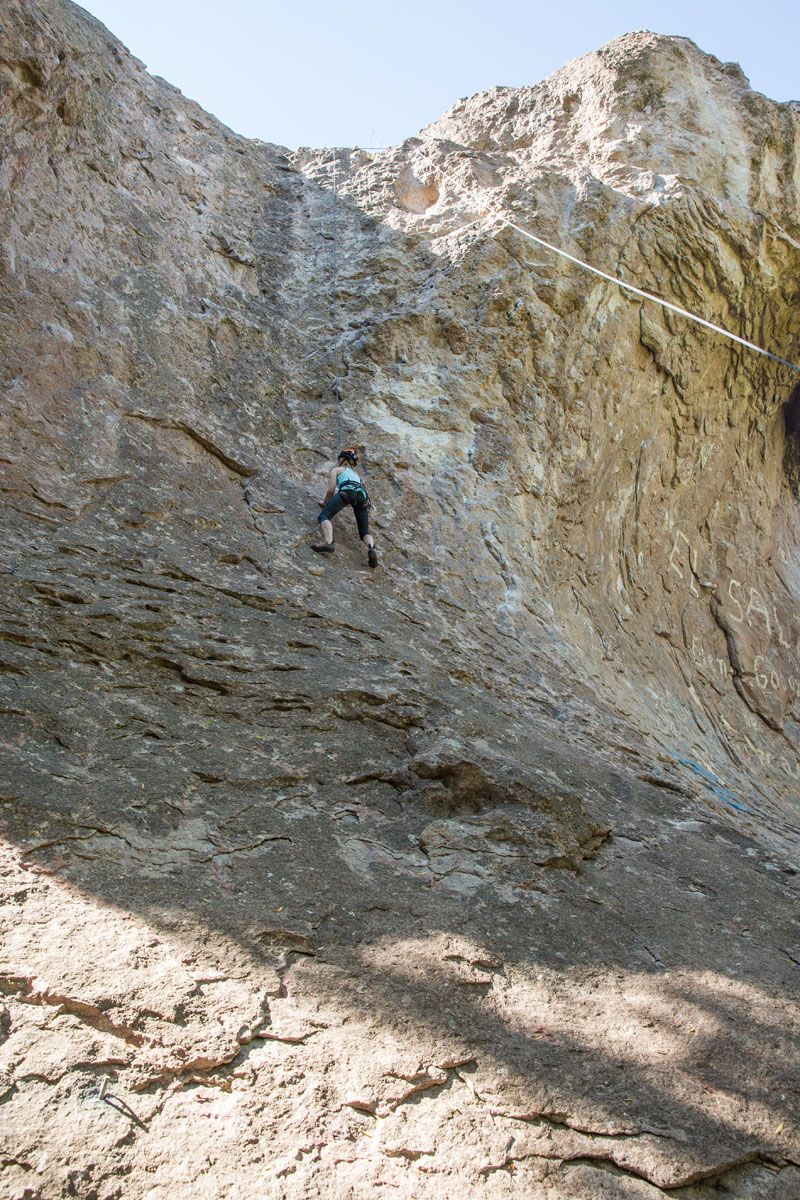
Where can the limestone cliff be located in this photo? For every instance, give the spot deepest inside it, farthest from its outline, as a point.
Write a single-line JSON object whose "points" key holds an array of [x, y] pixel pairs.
{"points": [[468, 876]]}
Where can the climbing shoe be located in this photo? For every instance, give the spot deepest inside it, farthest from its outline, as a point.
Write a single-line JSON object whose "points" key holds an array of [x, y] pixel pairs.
{"points": [[372, 556], [323, 547]]}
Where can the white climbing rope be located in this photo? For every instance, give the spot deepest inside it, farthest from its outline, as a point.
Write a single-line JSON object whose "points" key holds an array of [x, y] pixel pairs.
{"points": [[334, 296], [683, 312]]}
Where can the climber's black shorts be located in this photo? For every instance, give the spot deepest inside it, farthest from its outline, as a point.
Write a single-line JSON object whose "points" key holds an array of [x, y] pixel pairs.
{"points": [[337, 503]]}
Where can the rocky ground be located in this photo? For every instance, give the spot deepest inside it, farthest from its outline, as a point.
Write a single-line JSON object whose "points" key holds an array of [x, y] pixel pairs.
{"points": [[475, 875]]}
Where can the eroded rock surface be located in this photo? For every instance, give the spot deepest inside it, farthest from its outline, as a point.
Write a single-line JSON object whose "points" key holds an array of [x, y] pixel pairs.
{"points": [[474, 875]]}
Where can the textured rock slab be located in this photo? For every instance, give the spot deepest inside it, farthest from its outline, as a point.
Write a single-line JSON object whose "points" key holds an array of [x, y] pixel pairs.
{"points": [[322, 875]]}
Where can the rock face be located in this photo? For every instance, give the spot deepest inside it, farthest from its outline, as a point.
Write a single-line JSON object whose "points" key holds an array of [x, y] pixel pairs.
{"points": [[472, 875]]}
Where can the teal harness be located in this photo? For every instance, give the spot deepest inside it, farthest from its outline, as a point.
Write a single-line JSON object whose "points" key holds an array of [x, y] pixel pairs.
{"points": [[356, 493]]}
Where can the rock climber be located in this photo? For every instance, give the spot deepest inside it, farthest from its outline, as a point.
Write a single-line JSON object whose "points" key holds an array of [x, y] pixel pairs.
{"points": [[345, 487]]}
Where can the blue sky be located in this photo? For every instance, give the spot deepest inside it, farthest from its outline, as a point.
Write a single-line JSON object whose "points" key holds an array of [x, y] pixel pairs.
{"points": [[358, 73]]}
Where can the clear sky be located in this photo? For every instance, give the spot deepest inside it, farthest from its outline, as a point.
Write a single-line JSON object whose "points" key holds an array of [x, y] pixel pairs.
{"points": [[370, 73]]}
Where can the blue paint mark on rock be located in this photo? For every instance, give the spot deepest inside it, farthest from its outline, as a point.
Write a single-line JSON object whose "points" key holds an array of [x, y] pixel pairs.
{"points": [[716, 786]]}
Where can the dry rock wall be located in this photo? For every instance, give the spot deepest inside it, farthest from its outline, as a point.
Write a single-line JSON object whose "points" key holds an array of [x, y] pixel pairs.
{"points": [[475, 874], [638, 465]]}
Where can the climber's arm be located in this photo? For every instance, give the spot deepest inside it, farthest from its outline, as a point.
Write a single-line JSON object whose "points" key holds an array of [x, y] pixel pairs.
{"points": [[334, 475]]}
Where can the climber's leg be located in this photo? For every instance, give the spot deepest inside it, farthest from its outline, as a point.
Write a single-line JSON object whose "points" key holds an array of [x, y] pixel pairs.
{"points": [[362, 520], [326, 545], [325, 521]]}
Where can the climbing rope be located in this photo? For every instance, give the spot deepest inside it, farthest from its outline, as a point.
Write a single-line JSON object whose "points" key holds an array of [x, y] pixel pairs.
{"points": [[335, 358], [334, 314], [507, 224], [629, 287]]}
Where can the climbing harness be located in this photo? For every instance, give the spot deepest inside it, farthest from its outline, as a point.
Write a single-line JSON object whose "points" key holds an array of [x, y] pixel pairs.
{"points": [[356, 493], [349, 482], [629, 287]]}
